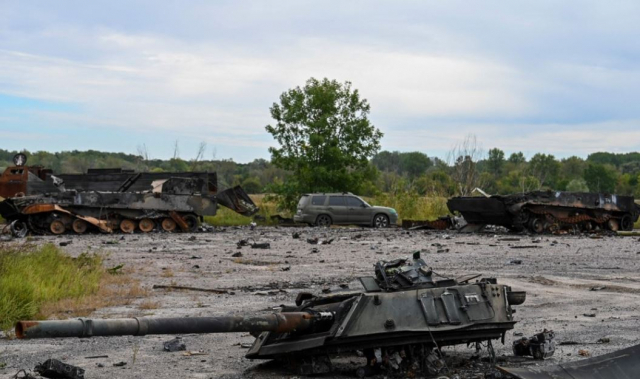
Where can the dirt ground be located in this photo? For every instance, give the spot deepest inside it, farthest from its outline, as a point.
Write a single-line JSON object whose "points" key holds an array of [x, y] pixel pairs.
{"points": [[558, 273]]}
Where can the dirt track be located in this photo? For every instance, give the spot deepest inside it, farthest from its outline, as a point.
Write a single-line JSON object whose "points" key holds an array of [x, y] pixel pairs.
{"points": [[556, 271]]}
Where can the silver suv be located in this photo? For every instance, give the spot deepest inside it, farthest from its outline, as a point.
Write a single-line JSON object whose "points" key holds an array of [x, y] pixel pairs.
{"points": [[324, 209]]}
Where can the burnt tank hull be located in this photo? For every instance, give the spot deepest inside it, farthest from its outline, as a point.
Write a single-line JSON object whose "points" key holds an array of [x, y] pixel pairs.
{"points": [[171, 204], [548, 211]]}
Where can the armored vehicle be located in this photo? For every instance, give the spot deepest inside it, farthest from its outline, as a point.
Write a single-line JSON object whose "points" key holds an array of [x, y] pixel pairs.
{"points": [[400, 320], [549, 211], [114, 199]]}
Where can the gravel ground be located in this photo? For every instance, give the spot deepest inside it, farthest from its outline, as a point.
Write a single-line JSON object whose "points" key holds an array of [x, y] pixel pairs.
{"points": [[556, 271]]}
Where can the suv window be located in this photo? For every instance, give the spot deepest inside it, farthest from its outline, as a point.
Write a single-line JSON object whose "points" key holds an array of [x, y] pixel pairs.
{"points": [[354, 202], [318, 200], [337, 201], [303, 201]]}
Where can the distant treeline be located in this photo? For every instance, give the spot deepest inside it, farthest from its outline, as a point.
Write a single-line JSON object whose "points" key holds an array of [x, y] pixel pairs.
{"points": [[464, 170]]}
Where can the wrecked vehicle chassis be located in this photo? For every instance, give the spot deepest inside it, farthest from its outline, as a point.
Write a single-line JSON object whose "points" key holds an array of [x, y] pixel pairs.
{"points": [[402, 310], [549, 211], [175, 204]]}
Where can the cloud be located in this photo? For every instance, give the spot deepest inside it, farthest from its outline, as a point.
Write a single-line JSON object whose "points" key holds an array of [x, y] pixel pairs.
{"points": [[432, 71]]}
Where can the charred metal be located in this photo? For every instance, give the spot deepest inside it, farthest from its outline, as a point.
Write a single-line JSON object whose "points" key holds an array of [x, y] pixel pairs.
{"points": [[549, 211]]}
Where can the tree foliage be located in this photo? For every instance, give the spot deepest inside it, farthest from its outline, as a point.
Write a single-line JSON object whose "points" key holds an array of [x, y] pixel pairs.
{"points": [[325, 140]]}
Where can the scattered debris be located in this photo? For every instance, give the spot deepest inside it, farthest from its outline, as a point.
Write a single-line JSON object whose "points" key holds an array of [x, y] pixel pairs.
{"points": [[317, 241], [515, 262], [212, 290], [116, 270], [285, 268], [25, 375], [597, 288], [97, 356], [120, 364], [53, 368], [589, 315], [242, 243], [264, 245], [236, 255], [540, 346], [175, 344], [584, 353], [295, 235], [65, 243]]}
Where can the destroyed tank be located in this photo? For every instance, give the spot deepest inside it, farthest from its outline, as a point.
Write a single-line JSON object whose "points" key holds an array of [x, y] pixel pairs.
{"points": [[403, 312], [549, 211], [111, 200]]}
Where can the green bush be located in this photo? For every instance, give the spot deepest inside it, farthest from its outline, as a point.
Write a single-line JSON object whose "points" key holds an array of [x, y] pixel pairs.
{"points": [[31, 276]]}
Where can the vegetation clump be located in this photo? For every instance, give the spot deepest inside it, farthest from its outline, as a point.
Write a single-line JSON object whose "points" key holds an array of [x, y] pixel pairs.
{"points": [[37, 282]]}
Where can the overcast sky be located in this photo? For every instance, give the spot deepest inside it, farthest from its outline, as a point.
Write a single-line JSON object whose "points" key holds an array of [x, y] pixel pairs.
{"points": [[560, 77]]}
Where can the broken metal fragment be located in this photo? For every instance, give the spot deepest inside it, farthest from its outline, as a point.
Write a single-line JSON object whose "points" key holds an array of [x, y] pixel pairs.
{"points": [[55, 369], [621, 364], [175, 344], [540, 346]]}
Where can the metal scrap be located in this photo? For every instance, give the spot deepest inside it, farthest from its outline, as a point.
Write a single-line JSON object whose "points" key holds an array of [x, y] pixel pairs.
{"points": [[540, 346], [53, 368], [175, 344]]}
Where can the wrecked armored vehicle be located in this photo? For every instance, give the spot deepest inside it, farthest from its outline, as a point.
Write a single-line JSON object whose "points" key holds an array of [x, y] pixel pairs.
{"points": [[111, 200], [400, 320], [549, 211]]}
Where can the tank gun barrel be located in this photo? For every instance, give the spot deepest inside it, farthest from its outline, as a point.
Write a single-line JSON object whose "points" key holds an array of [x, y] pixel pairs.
{"points": [[139, 326]]}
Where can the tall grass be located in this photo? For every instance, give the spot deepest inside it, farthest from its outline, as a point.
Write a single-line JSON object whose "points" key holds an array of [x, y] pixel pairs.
{"points": [[411, 206], [41, 282], [31, 276]]}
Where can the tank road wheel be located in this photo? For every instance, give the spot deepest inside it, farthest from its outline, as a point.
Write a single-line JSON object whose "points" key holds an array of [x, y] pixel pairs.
{"points": [[587, 226], [381, 221], [168, 225], [323, 220], [79, 226], [626, 222], [613, 225], [192, 222], [127, 226], [57, 227], [536, 225], [146, 225]]}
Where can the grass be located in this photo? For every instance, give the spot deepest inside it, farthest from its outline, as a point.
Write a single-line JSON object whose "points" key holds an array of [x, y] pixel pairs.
{"points": [[43, 282], [637, 225], [412, 207], [227, 217]]}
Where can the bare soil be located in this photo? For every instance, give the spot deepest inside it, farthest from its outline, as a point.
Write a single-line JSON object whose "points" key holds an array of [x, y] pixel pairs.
{"points": [[558, 273]]}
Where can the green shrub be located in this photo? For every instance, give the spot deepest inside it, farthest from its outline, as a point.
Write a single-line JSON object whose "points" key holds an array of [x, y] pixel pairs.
{"points": [[31, 276]]}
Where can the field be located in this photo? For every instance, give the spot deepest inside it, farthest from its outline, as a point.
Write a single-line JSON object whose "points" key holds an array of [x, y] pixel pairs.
{"points": [[556, 271]]}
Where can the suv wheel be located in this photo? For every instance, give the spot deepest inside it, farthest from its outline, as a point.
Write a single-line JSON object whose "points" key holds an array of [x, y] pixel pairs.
{"points": [[381, 221], [323, 220]]}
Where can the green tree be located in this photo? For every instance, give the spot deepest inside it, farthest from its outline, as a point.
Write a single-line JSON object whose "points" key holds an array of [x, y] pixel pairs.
{"points": [[414, 164], [495, 161], [325, 140], [545, 168], [517, 158], [600, 178]]}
